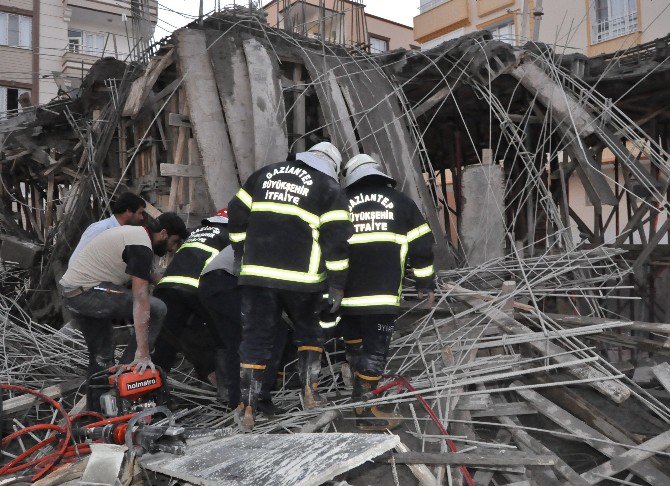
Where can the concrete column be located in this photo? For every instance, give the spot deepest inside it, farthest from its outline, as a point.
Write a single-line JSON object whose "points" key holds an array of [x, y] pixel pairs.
{"points": [[482, 223]]}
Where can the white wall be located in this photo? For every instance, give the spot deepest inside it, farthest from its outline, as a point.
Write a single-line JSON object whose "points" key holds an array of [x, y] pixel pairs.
{"points": [[53, 39], [564, 23]]}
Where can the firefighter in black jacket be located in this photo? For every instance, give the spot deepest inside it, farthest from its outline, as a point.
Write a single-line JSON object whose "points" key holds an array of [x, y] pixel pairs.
{"points": [[179, 290], [389, 228], [289, 226]]}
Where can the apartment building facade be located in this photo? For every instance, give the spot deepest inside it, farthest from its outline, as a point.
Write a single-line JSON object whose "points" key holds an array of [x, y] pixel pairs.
{"points": [[340, 21], [45, 44], [590, 27]]}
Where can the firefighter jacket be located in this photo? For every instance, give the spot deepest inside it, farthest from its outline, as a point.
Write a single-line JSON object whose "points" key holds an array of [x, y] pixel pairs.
{"points": [[290, 225], [202, 245], [389, 228]]}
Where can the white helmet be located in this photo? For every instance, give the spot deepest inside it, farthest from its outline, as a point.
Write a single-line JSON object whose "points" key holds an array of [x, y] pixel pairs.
{"points": [[330, 151], [360, 166]]}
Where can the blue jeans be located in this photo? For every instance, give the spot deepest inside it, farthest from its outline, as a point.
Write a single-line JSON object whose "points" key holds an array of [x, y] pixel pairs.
{"points": [[94, 310]]}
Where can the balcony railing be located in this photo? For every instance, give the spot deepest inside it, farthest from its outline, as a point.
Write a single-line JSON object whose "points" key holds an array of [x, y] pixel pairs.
{"points": [[425, 7], [616, 27]]}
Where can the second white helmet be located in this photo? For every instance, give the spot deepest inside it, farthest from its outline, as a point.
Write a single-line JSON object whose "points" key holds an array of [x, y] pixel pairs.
{"points": [[330, 151], [360, 166]]}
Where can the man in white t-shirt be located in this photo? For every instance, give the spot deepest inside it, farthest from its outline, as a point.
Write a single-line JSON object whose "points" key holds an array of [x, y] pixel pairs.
{"points": [[94, 289], [127, 209]]}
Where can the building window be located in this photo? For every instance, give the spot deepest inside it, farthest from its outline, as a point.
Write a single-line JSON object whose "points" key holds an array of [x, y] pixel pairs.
{"points": [[9, 101], [378, 45], [503, 32], [83, 42], [16, 30], [613, 18]]}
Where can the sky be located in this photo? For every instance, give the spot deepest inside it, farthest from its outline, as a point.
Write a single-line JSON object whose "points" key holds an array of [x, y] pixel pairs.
{"points": [[173, 14]]}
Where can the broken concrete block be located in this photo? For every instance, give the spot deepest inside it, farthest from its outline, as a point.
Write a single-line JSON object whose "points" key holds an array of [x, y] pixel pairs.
{"points": [[18, 251]]}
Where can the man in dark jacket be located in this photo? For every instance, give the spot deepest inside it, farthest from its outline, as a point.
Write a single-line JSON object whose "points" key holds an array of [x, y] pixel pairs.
{"points": [[179, 290], [388, 228], [289, 227]]}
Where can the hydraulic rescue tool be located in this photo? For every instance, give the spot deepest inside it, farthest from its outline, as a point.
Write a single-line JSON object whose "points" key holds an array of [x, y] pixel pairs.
{"points": [[122, 391]]}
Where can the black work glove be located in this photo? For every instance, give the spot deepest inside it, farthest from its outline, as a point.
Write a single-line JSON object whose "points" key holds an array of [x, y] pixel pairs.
{"points": [[335, 298]]}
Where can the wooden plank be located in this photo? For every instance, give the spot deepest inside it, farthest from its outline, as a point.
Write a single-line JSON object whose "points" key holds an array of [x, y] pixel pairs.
{"points": [[142, 86], [662, 373], [152, 210], [178, 120], [271, 459], [179, 155], [505, 409], [232, 81], [644, 255], [49, 208], [25, 401], [271, 141], [628, 459], [564, 319], [207, 117], [483, 476], [613, 389], [198, 198], [584, 410], [420, 471], [587, 433], [433, 100], [180, 170], [503, 457], [527, 442]]}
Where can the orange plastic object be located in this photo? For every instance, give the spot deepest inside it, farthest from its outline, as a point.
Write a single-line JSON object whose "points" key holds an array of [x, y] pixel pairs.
{"points": [[132, 385]]}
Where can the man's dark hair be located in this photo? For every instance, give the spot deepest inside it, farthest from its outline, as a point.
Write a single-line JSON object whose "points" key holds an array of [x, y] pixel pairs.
{"points": [[170, 222], [128, 201]]}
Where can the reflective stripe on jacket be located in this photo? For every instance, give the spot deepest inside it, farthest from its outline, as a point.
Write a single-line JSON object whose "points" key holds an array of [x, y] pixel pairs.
{"points": [[202, 245], [389, 230], [290, 222]]}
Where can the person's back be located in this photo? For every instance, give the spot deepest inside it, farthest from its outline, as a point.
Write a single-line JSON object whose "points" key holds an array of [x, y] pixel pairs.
{"points": [[386, 224], [202, 245], [285, 229], [105, 258]]}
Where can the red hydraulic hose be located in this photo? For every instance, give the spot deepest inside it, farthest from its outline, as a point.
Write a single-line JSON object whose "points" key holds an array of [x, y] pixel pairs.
{"points": [[402, 382], [50, 462], [45, 464], [32, 428], [113, 420]]}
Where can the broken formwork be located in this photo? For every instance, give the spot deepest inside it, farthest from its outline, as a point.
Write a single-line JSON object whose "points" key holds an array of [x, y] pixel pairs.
{"points": [[526, 368]]}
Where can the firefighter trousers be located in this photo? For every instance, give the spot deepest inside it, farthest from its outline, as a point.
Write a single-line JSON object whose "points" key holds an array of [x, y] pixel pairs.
{"points": [[221, 297], [180, 333], [375, 331], [261, 317]]}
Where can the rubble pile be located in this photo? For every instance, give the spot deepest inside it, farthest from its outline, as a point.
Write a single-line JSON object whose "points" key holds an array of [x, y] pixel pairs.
{"points": [[532, 367]]}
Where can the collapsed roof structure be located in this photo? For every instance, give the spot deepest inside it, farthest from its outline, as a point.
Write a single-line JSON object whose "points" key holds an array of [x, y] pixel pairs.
{"points": [[541, 338]]}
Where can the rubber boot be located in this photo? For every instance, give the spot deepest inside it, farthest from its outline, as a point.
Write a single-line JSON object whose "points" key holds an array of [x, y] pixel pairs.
{"points": [[250, 387], [353, 350], [227, 391], [221, 377], [371, 419], [266, 407], [309, 366]]}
